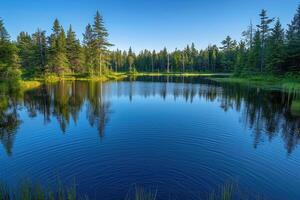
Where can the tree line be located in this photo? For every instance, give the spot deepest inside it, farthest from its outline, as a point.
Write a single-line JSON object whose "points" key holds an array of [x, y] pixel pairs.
{"points": [[264, 48]]}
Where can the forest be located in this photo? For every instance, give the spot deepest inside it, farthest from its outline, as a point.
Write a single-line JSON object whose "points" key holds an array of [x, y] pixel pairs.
{"points": [[265, 48]]}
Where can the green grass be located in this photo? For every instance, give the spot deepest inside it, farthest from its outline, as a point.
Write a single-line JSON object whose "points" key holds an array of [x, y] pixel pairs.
{"points": [[174, 74], [27, 85], [26, 190], [29, 191], [51, 78], [295, 108], [286, 83]]}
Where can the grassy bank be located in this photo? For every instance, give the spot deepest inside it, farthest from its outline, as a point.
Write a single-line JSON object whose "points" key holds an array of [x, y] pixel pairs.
{"points": [[290, 83], [18, 85], [176, 74], [79, 77], [108, 77]]}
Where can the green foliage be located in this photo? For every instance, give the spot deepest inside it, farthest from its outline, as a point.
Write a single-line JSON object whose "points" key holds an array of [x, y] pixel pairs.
{"points": [[266, 50], [74, 51], [26, 190], [58, 61], [9, 59], [275, 50], [293, 43]]}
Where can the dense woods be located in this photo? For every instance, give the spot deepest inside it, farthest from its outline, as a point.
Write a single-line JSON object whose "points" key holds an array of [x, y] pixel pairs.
{"points": [[264, 48]]}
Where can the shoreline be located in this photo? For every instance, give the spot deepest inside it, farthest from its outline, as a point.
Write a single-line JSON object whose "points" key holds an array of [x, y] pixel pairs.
{"points": [[260, 81], [264, 82]]}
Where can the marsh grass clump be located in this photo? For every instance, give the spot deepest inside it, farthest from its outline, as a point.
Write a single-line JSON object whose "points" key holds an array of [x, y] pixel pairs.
{"points": [[232, 191], [26, 190], [140, 193]]}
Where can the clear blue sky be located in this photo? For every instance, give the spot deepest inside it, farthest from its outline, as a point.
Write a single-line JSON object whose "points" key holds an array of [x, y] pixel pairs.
{"points": [[150, 24]]}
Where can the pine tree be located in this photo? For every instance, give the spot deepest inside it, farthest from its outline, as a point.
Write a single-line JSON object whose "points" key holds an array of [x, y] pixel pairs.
{"points": [[130, 59], [264, 29], [73, 51], [100, 36], [293, 43], [4, 36], [9, 60], [253, 61], [39, 51], [248, 35], [275, 50], [229, 49], [88, 43], [58, 61], [241, 59], [24, 44]]}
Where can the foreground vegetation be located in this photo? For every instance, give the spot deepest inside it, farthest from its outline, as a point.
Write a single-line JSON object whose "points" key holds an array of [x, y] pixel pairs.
{"points": [[266, 48], [26, 190]]}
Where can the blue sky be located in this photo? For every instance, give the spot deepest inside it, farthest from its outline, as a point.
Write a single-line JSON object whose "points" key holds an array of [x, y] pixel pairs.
{"points": [[150, 24]]}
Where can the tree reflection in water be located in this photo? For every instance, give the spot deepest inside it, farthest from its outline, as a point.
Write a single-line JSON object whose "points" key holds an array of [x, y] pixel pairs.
{"points": [[268, 114]]}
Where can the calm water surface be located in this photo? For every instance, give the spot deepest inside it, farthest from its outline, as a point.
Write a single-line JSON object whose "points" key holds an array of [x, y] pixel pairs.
{"points": [[183, 137]]}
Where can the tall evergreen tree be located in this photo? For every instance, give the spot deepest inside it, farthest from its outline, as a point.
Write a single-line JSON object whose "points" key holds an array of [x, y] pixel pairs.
{"points": [[275, 50], [73, 51], [39, 59], [241, 59], [9, 60], [264, 29], [4, 36], [229, 49], [293, 43], [130, 59], [24, 44], [253, 61], [100, 36], [89, 53], [58, 61], [248, 35]]}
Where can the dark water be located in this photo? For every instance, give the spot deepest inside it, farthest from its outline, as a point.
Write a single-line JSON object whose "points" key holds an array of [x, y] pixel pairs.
{"points": [[183, 137]]}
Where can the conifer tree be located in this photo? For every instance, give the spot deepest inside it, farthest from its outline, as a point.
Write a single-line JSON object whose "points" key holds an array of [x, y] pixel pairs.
{"points": [[264, 29], [89, 53], [253, 61], [293, 43], [229, 50], [39, 59], [9, 59], [130, 60], [275, 50], [4, 36], [100, 38], [24, 44], [58, 61], [73, 51]]}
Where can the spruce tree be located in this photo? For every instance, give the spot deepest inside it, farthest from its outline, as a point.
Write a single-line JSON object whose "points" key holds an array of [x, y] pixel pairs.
{"points": [[293, 43], [264, 29], [229, 50], [9, 59], [58, 61], [4, 36], [130, 59], [253, 61], [89, 53], [25, 46], [74, 51], [241, 59], [39, 51], [275, 51], [100, 37]]}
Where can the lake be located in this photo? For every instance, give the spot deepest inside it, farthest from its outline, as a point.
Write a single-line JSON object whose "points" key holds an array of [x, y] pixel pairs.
{"points": [[183, 137]]}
